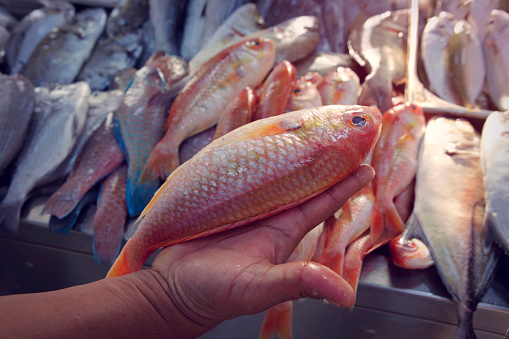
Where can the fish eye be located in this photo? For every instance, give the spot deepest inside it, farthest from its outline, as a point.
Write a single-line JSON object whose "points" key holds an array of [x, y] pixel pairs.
{"points": [[254, 43], [413, 107], [297, 90], [359, 121], [409, 245]]}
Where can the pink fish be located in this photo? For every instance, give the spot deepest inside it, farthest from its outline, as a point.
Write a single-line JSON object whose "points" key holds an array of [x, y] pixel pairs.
{"points": [[340, 87], [205, 96], [252, 172], [411, 253], [305, 93], [239, 112]]}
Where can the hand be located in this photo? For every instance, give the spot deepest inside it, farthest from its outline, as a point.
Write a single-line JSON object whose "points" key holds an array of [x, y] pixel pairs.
{"points": [[243, 271]]}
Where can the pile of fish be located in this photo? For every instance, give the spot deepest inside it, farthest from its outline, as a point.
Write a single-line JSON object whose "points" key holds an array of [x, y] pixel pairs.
{"points": [[140, 113]]}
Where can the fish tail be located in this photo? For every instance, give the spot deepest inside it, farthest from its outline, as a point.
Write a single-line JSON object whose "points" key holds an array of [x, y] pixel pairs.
{"points": [[162, 161], [332, 255], [139, 195], [278, 321], [354, 258], [377, 226], [394, 224], [62, 202], [465, 329], [64, 225], [9, 216]]}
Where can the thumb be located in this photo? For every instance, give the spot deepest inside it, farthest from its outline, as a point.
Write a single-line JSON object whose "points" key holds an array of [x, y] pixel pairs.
{"points": [[295, 280]]}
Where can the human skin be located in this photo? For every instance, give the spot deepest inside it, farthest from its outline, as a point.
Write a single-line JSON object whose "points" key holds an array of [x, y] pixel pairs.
{"points": [[194, 286]]}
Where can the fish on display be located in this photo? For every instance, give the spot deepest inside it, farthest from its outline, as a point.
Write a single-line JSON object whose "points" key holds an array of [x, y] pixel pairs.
{"points": [[126, 17], [451, 223], [380, 46], [340, 87], [206, 95], [122, 79], [276, 90], [238, 113], [60, 55], [147, 44], [7, 20], [100, 156], [305, 93], [59, 117], [109, 57], [435, 51], [494, 155], [4, 38], [17, 98], [32, 29], [193, 28], [466, 63], [278, 318], [324, 63], [458, 8], [140, 122], [410, 254], [244, 21], [479, 14], [395, 164], [252, 172], [166, 18], [192, 145], [110, 217], [496, 44]]}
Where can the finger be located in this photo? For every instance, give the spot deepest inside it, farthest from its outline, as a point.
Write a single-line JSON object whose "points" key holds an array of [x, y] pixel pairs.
{"points": [[302, 279]]}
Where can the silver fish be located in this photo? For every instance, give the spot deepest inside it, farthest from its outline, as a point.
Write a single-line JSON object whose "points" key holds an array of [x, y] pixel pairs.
{"points": [[126, 17], [166, 18], [17, 98], [4, 38], [244, 21], [494, 157], [448, 214], [479, 14], [29, 32], [458, 8], [59, 117], [380, 46], [466, 63], [324, 63], [60, 56], [434, 51], [496, 47], [193, 28], [110, 56], [147, 44]]}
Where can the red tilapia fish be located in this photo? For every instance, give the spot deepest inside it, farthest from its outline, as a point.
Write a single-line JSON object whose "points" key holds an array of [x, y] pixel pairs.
{"points": [[250, 173], [206, 95]]}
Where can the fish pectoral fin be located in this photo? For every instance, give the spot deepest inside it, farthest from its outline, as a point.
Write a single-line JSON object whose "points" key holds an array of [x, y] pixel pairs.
{"points": [[269, 129]]}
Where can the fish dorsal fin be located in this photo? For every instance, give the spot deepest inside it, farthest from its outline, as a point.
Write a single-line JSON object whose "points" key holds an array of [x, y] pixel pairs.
{"points": [[264, 130]]}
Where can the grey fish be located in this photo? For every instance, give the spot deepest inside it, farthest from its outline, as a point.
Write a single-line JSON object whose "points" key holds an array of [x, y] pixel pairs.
{"points": [[59, 117], [495, 169], [448, 214], [496, 47], [110, 56], [324, 63], [123, 79], [380, 46], [17, 98], [193, 28], [479, 14], [147, 43], [243, 21], [166, 17], [7, 20], [30, 31], [60, 56], [126, 17], [434, 51]]}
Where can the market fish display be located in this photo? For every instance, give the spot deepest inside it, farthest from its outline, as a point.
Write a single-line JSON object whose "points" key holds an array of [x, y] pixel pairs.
{"points": [[410, 254], [380, 46], [276, 90], [140, 121], [305, 94], [100, 156], [243, 21], [340, 87], [110, 56], [60, 55], [126, 17], [466, 63], [496, 43], [395, 164], [110, 217], [435, 51], [59, 117], [166, 17], [206, 95], [33, 28], [17, 98], [495, 170], [451, 224], [252, 172]]}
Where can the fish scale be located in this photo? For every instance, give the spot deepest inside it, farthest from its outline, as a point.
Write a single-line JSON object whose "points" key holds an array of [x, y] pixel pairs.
{"points": [[227, 184]]}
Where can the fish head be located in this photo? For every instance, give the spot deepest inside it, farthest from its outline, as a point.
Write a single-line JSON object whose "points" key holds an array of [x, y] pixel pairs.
{"points": [[248, 20], [352, 129], [412, 254], [255, 55], [497, 27], [305, 94]]}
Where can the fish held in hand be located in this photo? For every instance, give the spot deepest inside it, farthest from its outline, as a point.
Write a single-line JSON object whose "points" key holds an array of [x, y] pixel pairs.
{"points": [[206, 95], [252, 172]]}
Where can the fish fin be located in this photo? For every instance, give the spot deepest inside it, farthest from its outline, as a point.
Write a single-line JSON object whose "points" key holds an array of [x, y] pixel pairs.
{"points": [[163, 160], [393, 223], [62, 202], [269, 129], [277, 321], [488, 236], [64, 225], [129, 260], [118, 134], [465, 329], [120, 266], [139, 195], [9, 215], [377, 226], [354, 258]]}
